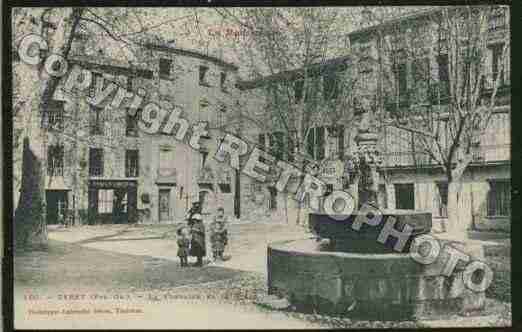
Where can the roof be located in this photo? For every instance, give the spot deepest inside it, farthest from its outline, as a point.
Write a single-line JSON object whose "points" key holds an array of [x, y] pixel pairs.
{"points": [[190, 53], [338, 63], [341, 60], [401, 18], [110, 65]]}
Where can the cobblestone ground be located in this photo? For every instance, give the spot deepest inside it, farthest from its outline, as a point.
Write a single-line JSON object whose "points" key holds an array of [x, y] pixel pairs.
{"points": [[138, 264]]}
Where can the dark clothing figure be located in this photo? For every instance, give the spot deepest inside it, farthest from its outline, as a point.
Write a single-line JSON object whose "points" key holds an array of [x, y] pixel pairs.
{"points": [[197, 245], [218, 236], [183, 245], [195, 209], [197, 232]]}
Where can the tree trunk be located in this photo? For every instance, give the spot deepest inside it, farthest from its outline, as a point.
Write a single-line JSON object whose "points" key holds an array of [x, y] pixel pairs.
{"points": [[30, 218], [457, 225]]}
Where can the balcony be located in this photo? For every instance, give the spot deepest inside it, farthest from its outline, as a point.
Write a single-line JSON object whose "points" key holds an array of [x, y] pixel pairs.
{"points": [[488, 82], [405, 159], [96, 171], [492, 153], [439, 92], [485, 154], [131, 172]]}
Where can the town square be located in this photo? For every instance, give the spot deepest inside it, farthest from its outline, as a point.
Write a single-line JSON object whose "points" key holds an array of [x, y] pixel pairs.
{"points": [[274, 167]]}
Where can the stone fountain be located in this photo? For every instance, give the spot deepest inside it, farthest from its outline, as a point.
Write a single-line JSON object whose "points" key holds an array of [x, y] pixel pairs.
{"points": [[346, 272]]}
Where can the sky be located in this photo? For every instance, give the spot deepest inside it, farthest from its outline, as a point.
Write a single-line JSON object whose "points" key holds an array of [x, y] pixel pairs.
{"points": [[204, 30]]}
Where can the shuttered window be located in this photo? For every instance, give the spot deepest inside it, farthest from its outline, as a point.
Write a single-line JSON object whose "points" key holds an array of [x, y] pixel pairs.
{"points": [[499, 199]]}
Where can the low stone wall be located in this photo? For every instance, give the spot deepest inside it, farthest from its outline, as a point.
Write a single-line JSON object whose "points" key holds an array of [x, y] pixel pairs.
{"points": [[370, 286]]}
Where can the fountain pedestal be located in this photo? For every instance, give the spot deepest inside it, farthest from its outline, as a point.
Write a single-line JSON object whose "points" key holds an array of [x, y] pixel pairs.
{"points": [[382, 286]]}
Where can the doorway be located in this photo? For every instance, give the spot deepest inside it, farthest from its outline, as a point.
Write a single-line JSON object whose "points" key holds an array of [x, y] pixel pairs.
{"points": [[56, 206], [164, 204], [405, 196]]}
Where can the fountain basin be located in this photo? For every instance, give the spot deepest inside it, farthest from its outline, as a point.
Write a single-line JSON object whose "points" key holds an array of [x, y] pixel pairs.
{"points": [[383, 286], [343, 237]]}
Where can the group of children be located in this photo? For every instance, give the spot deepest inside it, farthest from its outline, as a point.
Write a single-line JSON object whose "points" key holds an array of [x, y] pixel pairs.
{"points": [[191, 237]]}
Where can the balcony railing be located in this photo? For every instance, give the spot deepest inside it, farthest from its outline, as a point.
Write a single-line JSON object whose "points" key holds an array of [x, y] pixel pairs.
{"points": [[481, 155], [397, 159], [488, 81], [132, 172], [492, 153], [96, 171]]}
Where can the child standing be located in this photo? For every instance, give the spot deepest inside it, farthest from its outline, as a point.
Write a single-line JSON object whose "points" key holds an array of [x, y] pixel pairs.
{"points": [[183, 244], [219, 234]]}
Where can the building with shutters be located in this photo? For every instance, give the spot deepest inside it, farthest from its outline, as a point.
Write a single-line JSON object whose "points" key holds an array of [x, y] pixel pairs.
{"points": [[409, 178], [101, 168]]}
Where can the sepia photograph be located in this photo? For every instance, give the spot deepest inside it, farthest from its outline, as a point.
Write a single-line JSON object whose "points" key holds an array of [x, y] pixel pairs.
{"points": [[259, 167]]}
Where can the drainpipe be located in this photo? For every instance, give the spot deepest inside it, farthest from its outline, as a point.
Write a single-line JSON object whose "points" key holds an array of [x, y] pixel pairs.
{"points": [[237, 195]]}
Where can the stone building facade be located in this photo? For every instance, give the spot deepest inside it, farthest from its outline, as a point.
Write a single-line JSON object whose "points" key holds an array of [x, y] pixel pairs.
{"points": [[101, 168], [408, 179]]}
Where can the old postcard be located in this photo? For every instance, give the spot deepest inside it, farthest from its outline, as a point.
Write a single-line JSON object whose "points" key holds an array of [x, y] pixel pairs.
{"points": [[261, 168]]}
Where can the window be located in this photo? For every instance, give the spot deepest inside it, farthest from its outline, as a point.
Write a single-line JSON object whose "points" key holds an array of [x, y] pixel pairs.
{"points": [[166, 162], [336, 142], [131, 125], [221, 116], [330, 85], [164, 68], [55, 158], [96, 119], [298, 90], [442, 199], [312, 88], [328, 189], [256, 187], [421, 70], [224, 188], [272, 202], [346, 182], [499, 199], [443, 75], [292, 139], [204, 157], [496, 63], [55, 114], [402, 82], [261, 141], [223, 81], [95, 78], [95, 162], [404, 196], [277, 145], [316, 143], [202, 75], [105, 200], [497, 21], [132, 163]]}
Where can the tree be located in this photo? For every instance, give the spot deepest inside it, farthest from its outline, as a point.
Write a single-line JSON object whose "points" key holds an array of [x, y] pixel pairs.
{"points": [[296, 48], [443, 113]]}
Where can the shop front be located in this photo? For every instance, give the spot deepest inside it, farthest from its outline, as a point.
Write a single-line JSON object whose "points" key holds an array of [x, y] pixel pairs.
{"points": [[112, 201]]}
